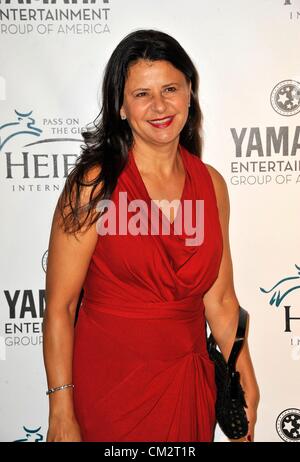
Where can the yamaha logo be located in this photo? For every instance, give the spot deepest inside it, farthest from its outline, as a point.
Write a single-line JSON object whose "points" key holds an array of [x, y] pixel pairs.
{"points": [[59, 17], [285, 98], [288, 425]]}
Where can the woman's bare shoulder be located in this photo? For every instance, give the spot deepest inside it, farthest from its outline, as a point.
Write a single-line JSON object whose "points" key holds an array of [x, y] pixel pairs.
{"points": [[89, 176], [215, 174], [219, 183]]}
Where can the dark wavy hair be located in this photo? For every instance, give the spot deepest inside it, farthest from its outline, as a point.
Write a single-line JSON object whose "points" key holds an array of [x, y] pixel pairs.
{"points": [[108, 141]]}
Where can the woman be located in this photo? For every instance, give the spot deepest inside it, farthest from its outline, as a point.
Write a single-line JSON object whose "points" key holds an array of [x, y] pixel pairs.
{"points": [[135, 366]]}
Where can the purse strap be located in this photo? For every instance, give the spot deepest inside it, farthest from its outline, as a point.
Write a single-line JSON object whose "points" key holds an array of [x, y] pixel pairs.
{"points": [[238, 341]]}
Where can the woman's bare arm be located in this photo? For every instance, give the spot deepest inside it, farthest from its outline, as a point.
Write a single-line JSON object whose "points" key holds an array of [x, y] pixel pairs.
{"points": [[68, 261], [221, 306]]}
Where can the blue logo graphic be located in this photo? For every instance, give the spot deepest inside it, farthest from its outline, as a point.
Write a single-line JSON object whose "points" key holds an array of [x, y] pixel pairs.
{"points": [[32, 436], [282, 288], [24, 125]]}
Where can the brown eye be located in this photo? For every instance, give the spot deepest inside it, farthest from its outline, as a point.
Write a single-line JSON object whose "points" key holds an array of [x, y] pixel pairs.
{"points": [[171, 88]]}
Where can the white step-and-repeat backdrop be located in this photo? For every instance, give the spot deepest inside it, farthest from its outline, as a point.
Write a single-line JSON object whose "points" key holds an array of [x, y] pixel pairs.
{"points": [[52, 57]]}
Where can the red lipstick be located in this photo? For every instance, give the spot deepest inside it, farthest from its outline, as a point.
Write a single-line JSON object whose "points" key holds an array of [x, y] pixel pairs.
{"points": [[162, 123]]}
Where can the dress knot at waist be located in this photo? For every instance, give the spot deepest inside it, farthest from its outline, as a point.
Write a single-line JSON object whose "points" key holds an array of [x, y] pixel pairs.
{"points": [[187, 308]]}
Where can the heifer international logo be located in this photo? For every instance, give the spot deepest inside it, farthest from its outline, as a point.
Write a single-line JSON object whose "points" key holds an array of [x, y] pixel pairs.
{"points": [[282, 288], [278, 295], [45, 17], [24, 124], [31, 436], [25, 143]]}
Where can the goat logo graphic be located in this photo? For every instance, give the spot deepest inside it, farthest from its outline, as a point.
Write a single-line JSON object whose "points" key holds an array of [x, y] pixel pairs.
{"points": [[282, 288], [24, 125], [32, 436]]}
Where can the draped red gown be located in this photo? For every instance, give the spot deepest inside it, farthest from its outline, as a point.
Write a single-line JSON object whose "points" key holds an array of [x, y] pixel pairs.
{"points": [[140, 365]]}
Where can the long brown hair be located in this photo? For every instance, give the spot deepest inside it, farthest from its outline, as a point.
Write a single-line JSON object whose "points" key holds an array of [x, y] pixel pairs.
{"points": [[107, 142]]}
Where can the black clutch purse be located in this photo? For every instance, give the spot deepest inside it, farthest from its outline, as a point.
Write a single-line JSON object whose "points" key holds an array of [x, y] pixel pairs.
{"points": [[230, 402]]}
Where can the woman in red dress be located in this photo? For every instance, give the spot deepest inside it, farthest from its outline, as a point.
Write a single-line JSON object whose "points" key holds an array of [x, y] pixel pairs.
{"points": [[142, 226]]}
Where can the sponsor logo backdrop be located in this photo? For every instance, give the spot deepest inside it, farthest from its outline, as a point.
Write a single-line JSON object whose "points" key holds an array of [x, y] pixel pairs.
{"points": [[52, 58]]}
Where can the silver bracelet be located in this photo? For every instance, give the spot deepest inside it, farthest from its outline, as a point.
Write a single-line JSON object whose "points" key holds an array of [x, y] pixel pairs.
{"points": [[52, 390]]}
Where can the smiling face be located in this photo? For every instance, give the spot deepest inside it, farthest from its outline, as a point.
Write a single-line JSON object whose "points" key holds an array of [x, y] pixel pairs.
{"points": [[155, 90]]}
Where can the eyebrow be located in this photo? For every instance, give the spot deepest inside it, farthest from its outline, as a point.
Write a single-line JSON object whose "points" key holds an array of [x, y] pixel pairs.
{"points": [[163, 86]]}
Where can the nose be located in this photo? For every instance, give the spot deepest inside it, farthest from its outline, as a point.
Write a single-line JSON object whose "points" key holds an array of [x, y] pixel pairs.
{"points": [[158, 103]]}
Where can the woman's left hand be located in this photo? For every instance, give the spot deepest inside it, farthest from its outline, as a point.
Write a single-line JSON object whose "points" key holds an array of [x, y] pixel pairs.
{"points": [[251, 414]]}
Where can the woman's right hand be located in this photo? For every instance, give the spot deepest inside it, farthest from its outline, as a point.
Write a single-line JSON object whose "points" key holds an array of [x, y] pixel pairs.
{"points": [[63, 429]]}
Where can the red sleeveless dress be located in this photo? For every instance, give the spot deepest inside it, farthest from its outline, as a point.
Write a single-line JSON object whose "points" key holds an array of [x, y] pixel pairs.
{"points": [[140, 365]]}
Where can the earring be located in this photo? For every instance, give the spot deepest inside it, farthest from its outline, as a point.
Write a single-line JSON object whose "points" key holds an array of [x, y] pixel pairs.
{"points": [[123, 117]]}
